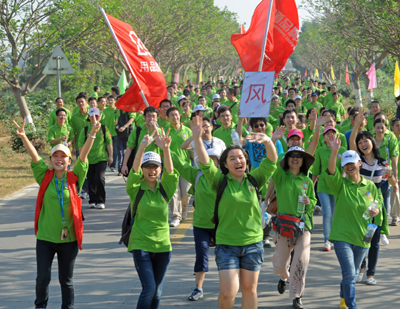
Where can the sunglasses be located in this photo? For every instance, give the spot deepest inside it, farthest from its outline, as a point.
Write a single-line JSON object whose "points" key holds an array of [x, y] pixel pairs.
{"points": [[298, 156], [260, 125]]}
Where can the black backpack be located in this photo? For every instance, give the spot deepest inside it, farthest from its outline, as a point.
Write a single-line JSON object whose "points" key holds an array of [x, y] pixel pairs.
{"points": [[133, 152], [122, 120], [129, 217], [221, 190]]}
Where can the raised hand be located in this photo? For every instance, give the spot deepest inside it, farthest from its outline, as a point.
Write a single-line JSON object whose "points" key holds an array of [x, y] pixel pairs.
{"points": [[96, 125], [360, 117], [197, 127], [279, 133], [257, 138], [153, 125], [20, 129], [321, 121], [147, 140], [334, 142], [313, 115]]}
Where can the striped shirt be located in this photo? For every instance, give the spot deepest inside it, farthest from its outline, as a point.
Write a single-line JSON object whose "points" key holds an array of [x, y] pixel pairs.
{"points": [[366, 171]]}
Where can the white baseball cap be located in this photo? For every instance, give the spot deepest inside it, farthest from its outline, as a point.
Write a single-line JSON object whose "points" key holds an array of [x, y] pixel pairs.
{"points": [[216, 96], [298, 97], [350, 156], [181, 97], [199, 107], [285, 91], [274, 96], [94, 111], [151, 157]]}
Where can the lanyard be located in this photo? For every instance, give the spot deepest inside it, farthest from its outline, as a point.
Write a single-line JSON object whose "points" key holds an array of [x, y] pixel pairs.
{"points": [[209, 146], [61, 198]]}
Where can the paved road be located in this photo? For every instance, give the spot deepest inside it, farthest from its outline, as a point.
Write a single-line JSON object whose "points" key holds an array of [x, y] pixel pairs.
{"points": [[105, 275]]}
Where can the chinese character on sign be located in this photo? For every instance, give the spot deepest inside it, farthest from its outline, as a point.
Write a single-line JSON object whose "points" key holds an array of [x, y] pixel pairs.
{"points": [[154, 67], [286, 25], [142, 50], [294, 34], [258, 90], [279, 16], [144, 67]]}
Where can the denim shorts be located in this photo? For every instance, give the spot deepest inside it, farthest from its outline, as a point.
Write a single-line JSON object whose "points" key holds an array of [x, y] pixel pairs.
{"points": [[248, 257]]}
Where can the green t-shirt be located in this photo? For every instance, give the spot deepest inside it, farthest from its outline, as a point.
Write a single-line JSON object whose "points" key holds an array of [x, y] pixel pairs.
{"points": [[310, 105], [165, 124], [150, 231], [345, 128], [234, 109], [286, 182], [204, 197], [352, 200], [109, 119], [50, 219], [139, 119], [78, 122], [329, 97], [94, 94], [76, 109], [389, 147], [53, 118], [239, 212], [370, 123], [345, 122], [225, 134], [56, 132], [132, 140], [321, 163], [338, 108], [98, 152], [177, 138], [341, 136]]}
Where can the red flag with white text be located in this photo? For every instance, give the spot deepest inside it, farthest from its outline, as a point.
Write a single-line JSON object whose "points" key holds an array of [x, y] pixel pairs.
{"points": [[346, 76], [146, 72], [282, 38]]}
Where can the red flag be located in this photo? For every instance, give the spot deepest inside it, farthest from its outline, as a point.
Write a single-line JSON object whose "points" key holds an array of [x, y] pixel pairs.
{"points": [[242, 30], [282, 36], [149, 80], [305, 73], [346, 76]]}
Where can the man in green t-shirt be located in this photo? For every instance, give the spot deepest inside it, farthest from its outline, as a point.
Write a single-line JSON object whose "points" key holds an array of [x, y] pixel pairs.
{"points": [[110, 121], [53, 118], [336, 106], [179, 133], [163, 120], [78, 121], [99, 156], [61, 132], [96, 92], [233, 104]]}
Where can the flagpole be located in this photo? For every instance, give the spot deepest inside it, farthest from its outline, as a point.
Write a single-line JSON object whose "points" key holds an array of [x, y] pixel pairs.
{"points": [[265, 36], [123, 55]]}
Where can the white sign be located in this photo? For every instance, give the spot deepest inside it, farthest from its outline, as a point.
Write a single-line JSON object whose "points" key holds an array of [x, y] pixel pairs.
{"points": [[256, 94], [64, 65]]}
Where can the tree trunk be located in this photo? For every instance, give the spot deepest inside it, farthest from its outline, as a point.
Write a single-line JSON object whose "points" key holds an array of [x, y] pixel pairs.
{"points": [[185, 73], [357, 91], [23, 108], [198, 74]]}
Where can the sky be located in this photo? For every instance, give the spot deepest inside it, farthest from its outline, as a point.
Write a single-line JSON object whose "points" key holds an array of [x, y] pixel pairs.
{"points": [[245, 9]]}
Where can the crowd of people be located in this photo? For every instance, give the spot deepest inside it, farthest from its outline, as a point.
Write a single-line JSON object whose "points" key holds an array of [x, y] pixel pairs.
{"points": [[194, 146]]}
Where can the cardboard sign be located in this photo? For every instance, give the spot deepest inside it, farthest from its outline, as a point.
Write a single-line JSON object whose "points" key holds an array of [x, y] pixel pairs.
{"points": [[256, 94]]}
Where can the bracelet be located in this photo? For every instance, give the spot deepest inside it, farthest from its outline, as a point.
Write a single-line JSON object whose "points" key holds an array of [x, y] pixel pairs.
{"points": [[92, 136]]}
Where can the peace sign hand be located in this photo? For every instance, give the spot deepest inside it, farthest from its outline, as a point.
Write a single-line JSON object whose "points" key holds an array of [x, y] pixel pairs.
{"points": [[147, 140], [20, 129]]}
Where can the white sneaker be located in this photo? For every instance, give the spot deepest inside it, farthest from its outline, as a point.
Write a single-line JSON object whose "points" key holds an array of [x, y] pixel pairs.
{"points": [[174, 223], [384, 240], [100, 206], [360, 277], [92, 205], [317, 209]]}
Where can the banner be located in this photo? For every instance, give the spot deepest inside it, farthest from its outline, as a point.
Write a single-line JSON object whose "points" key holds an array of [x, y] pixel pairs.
{"points": [[332, 73], [305, 73], [122, 83], [346, 76], [372, 77], [396, 80], [149, 82], [316, 73], [282, 37]]}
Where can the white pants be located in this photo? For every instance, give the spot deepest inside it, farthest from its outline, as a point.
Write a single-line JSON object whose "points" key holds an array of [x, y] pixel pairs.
{"points": [[180, 199]]}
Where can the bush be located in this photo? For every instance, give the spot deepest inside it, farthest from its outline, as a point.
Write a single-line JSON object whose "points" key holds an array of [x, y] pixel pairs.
{"points": [[36, 137]]}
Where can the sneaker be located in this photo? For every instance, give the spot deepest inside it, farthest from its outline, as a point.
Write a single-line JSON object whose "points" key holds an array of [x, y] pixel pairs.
{"points": [[297, 304], [281, 286], [359, 277], [196, 294], [371, 281], [384, 240], [394, 222], [212, 243], [100, 206], [92, 205], [317, 209], [174, 223], [119, 174], [342, 304], [327, 246], [267, 243], [112, 169]]}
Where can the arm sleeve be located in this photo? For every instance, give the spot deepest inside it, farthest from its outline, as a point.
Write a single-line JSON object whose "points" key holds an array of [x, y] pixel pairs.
{"points": [[81, 138], [80, 170], [39, 169], [108, 137], [50, 135], [394, 151], [133, 183], [335, 181], [316, 167], [212, 174], [311, 195], [185, 169], [132, 139], [264, 171], [170, 183], [71, 134], [269, 129]]}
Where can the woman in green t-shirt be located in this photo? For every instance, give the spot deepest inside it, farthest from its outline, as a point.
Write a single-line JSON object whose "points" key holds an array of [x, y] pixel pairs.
{"points": [[58, 213], [291, 176], [353, 195], [239, 250], [149, 240]]}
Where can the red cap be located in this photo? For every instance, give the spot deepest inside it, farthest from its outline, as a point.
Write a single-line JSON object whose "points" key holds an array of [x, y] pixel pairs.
{"points": [[295, 132]]}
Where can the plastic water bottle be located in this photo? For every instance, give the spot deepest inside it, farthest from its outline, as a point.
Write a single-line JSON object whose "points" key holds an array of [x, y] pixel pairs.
{"points": [[385, 175], [372, 206], [301, 207], [235, 138]]}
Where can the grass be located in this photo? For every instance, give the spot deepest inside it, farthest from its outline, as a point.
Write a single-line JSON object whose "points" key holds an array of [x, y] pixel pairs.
{"points": [[15, 169]]}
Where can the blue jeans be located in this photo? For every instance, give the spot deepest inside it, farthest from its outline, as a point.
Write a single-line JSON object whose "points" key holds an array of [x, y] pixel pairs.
{"points": [[350, 258], [385, 189], [66, 255], [115, 151], [373, 253], [328, 210], [202, 239], [151, 268], [121, 150]]}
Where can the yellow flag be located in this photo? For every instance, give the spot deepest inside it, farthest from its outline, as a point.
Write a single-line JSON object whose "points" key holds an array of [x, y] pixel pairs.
{"points": [[316, 73], [396, 80], [332, 73]]}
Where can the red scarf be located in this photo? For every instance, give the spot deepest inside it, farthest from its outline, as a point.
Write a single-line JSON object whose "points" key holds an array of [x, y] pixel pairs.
{"points": [[76, 202]]}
